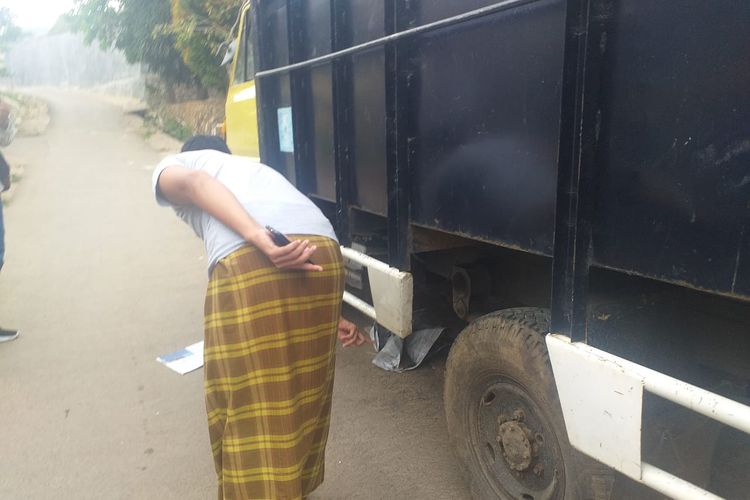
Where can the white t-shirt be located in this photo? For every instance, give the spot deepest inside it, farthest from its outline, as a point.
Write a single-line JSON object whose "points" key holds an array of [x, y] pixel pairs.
{"points": [[266, 195]]}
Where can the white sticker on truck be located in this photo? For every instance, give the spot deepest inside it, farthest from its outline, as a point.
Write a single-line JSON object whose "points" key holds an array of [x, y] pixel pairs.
{"points": [[286, 130]]}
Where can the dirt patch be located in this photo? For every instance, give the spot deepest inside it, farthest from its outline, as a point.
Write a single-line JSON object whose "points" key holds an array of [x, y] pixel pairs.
{"points": [[127, 103], [184, 119]]}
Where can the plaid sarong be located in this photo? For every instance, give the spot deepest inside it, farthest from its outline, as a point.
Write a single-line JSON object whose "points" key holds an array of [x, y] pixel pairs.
{"points": [[269, 363]]}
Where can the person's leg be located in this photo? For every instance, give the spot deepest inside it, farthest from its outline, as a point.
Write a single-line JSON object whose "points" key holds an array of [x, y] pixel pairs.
{"points": [[2, 237], [5, 335], [5, 182]]}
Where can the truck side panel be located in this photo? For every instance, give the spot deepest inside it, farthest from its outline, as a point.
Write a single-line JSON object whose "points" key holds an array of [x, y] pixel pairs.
{"points": [[482, 112], [317, 42], [485, 111], [275, 92], [674, 177]]}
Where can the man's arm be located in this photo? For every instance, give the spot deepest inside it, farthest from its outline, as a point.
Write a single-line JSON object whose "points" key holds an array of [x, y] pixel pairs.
{"points": [[182, 186]]}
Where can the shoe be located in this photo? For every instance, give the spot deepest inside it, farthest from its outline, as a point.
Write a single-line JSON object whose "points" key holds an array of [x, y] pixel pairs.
{"points": [[8, 335]]}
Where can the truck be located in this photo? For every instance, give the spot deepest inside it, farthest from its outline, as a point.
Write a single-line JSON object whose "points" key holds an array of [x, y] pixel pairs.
{"points": [[564, 185]]}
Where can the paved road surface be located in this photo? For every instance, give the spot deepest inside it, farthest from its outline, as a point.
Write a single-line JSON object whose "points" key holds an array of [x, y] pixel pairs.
{"points": [[101, 281]]}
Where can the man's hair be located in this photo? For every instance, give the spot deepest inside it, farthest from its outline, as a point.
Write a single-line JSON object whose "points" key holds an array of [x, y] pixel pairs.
{"points": [[201, 142]]}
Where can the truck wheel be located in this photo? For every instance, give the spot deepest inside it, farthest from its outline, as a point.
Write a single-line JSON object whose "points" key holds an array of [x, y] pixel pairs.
{"points": [[504, 417]]}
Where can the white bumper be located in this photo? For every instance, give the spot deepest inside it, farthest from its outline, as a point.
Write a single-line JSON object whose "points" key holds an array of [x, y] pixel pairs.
{"points": [[602, 398]]}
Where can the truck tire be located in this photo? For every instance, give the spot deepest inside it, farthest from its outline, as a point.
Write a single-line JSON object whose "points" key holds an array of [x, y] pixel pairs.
{"points": [[504, 417]]}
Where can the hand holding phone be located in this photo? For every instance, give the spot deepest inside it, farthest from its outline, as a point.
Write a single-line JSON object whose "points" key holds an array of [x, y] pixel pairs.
{"points": [[281, 241]]}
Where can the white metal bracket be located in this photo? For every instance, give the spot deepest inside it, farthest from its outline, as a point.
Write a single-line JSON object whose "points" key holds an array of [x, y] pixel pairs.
{"points": [[392, 293]]}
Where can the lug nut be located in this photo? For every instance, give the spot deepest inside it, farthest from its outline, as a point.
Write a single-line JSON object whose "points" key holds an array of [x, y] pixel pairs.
{"points": [[539, 469], [519, 415]]}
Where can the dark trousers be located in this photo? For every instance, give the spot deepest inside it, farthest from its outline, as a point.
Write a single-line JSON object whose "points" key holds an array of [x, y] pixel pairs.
{"points": [[2, 236], [4, 177]]}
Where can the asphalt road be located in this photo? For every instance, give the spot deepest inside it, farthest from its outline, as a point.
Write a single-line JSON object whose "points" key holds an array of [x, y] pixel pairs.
{"points": [[101, 281]]}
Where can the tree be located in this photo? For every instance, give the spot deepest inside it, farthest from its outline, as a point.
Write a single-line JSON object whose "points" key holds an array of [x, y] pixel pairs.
{"points": [[9, 33], [175, 38], [200, 26], [136, 27]]}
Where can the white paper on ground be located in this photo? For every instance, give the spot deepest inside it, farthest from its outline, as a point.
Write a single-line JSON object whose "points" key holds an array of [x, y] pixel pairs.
{"points": [[185, 360]]}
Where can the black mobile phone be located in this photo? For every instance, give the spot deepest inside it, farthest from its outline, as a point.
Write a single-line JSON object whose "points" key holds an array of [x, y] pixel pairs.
{"points": [[277, 237]]}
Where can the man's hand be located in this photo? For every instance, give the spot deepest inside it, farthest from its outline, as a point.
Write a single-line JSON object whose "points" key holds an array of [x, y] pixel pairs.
{"points": [[295, 255], [350, 335]]}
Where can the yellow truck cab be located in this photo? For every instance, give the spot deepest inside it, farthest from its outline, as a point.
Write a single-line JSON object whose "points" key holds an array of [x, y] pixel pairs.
{"points": [[241, 126]]}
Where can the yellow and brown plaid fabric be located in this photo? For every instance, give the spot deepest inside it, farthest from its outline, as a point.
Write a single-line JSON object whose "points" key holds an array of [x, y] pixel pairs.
{"points": [[269, 363]]}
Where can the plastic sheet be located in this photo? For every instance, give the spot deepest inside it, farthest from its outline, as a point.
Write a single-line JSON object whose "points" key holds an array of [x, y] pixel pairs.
{"points": [[398, 355]]}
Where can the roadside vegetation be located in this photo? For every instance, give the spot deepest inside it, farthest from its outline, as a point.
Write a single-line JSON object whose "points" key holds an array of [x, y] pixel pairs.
{"points": [[31, 113], [32, 119], [176, 43]]}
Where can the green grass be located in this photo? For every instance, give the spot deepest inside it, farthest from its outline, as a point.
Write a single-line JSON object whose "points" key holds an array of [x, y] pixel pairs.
{"points": [[170, 126], [176, 129]]}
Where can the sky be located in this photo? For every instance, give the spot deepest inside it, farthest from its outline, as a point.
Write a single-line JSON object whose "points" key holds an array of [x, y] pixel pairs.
{"points": [[37, 16]]}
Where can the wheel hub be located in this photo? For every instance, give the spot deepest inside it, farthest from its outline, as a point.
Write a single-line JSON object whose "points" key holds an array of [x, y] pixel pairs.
{"points": [[517, 446], [514, 437]]}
